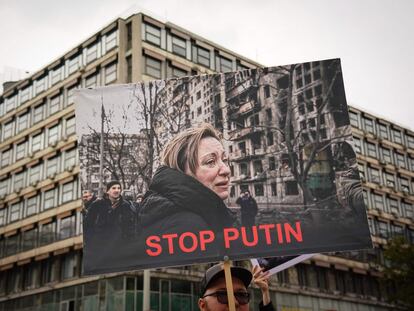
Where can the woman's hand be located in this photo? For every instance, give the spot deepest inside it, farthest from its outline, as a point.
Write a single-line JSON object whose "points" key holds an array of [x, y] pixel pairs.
{"points": [[261, 279]]}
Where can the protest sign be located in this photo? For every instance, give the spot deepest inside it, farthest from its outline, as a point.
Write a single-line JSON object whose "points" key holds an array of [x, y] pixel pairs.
{"points": [[286, 133]]}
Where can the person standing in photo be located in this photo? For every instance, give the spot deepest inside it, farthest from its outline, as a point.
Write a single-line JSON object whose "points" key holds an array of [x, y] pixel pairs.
{"points": [[248, 209]]}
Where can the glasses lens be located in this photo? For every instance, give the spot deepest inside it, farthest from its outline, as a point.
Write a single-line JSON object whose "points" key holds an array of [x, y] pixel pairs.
{"points": [[222, 297], [241, 297]]}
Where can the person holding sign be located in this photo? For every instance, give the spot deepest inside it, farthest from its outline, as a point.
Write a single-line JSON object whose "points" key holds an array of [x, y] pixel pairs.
{"points": [[213, 295], [187, 192]]}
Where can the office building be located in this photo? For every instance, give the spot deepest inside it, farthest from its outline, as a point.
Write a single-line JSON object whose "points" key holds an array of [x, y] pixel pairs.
{"points": [[40, 209]]}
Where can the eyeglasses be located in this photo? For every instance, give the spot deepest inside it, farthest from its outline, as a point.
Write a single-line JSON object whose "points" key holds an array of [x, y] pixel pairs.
{"points": [[241, 297]]}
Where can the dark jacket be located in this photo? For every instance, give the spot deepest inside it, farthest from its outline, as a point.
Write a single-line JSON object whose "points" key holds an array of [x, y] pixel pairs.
{"points": [[248, 205], [177, 202], [105, 221]]}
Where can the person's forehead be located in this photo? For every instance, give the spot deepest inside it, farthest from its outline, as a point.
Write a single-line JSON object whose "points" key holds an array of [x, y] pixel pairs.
{"points": [[220, 284], [210, 145]]}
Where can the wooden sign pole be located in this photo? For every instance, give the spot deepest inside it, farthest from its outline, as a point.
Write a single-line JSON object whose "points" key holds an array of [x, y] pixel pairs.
{"points": [[229, 283]]}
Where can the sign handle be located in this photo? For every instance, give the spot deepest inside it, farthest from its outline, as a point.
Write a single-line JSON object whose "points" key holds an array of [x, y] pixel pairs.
{"points": [[229, 283]]}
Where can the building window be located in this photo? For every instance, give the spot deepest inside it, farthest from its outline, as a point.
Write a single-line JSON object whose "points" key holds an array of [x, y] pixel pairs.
{"points": [[70, 126], [361, 171], [21, 150], [371, 150], [22, 122], [258, 190], [25, 94], [49, 199], [56, 75], [258, 167], [270, 140], [10, 103], [111, 40], [153, 67], [38, 113], [179, 46], [368, 125], [70, 158], [8, 130], [68, 192], [3, 216], [69, 266], [6, 157], [177, 72], [29, 239], [383, 229], [410, 141], [12, 245], [389, 180], [244, 169], [152, 34], [383, 131], [291, 187], [92, 81], [19, 181], [386, 155], [91, 53], [48, 233], [407, 209], [272, 163], [37, 142], [273, 189], [32, 204], [110, 73], [52, 166], [224, 64], [53, 134], [393, 206], [40, 85], [15, 211], [400, 159], [54, 104], [35, 174], [397, 136], [69, 95], [378, 201], [374, 175], [4, 187], [404, 185], [357, 145], [201, 56], [267, 91], [73, 64], [67, 227]]}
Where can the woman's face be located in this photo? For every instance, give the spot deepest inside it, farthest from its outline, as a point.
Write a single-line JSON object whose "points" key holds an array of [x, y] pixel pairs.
{"points": [[212, 170]]}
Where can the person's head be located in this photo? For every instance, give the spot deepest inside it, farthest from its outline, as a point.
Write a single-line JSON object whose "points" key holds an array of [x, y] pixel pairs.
{"points": [[140, 197], [87, 195], [247, 193], [113, 190], [198, 152], [213, 295]]}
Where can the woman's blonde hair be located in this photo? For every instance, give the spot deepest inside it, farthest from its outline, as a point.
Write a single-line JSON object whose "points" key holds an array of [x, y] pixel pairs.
{"points": [[182, 150]]}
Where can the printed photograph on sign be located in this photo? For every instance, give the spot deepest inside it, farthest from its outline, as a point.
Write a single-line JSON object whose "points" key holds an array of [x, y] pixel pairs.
{"points": [[246, 164]]}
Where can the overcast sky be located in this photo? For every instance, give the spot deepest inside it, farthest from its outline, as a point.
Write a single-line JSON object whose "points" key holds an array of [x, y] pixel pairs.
{"points": [[374, 38]]}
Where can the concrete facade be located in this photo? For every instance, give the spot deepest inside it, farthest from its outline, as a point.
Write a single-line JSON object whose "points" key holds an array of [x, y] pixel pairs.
{"points": [[40, 219]]}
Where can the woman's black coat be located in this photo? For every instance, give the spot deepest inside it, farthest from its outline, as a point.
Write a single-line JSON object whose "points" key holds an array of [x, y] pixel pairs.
{"points": [[177, 203]]}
